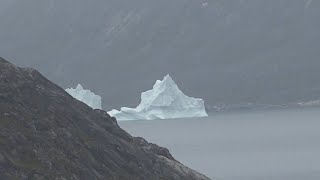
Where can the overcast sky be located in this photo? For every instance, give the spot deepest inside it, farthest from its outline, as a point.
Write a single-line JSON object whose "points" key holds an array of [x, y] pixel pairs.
{"points": [[226, 52]]}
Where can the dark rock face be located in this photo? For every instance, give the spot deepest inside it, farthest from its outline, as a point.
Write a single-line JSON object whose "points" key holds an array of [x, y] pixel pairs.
{"points": [[47, 134]]}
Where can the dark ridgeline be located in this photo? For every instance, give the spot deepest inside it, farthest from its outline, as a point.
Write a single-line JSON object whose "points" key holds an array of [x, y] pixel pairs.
{"points": [[47, 134], [224, 51]]}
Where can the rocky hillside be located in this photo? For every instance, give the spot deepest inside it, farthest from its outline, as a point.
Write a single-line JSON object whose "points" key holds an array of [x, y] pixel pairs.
{"points": [[46, 134]]}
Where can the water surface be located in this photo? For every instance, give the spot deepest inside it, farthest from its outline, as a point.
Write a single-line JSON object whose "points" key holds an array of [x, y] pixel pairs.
{"points": [[260, 145]]}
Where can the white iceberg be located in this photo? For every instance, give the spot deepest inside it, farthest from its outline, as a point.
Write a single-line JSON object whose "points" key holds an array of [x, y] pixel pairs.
{"points": [[164, 101], [85, 96]]}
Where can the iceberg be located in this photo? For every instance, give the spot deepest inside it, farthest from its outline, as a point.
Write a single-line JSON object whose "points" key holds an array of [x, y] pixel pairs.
{"points": [[164, 101], [85, 96]]}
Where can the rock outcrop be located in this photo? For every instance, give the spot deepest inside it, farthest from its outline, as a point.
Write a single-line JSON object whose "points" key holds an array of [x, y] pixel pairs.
{"points": [[47, 134]]}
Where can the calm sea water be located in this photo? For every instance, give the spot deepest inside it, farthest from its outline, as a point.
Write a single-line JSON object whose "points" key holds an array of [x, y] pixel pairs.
{"points": [[260, 145]]}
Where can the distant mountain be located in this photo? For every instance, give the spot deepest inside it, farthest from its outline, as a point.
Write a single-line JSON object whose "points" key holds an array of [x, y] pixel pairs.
{"points": [[226, 52], [47, 134]]}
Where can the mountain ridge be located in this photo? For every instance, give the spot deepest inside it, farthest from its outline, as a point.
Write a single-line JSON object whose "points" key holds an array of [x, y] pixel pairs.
{"points": [[47, 134]]}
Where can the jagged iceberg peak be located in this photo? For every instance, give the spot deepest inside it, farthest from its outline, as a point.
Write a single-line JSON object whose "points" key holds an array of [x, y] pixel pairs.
{"points": [[166, 84], [79, 87], [85, 96], [163, 94], [164, 101]]}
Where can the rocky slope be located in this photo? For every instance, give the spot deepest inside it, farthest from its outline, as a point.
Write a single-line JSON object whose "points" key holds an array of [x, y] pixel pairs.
{"points": [[47, 134]]}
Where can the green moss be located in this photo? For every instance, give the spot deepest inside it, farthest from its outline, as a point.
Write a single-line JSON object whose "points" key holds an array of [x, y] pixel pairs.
{"points": [[2, 141], [26, 163], [4, 121]]}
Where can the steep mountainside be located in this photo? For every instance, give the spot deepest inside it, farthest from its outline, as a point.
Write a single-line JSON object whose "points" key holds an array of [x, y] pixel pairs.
{"points": [[47, 134], [226, 52]]}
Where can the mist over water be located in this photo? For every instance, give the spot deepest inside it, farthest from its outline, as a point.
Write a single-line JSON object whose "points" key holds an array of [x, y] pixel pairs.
{"points": [[255, 145]]}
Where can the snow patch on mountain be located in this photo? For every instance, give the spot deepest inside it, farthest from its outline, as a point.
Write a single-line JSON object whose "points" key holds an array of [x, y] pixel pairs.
{"points": [[309, 103]]}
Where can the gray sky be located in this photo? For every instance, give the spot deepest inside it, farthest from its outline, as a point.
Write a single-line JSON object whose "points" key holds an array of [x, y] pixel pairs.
{"points": [[226, 52]]}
